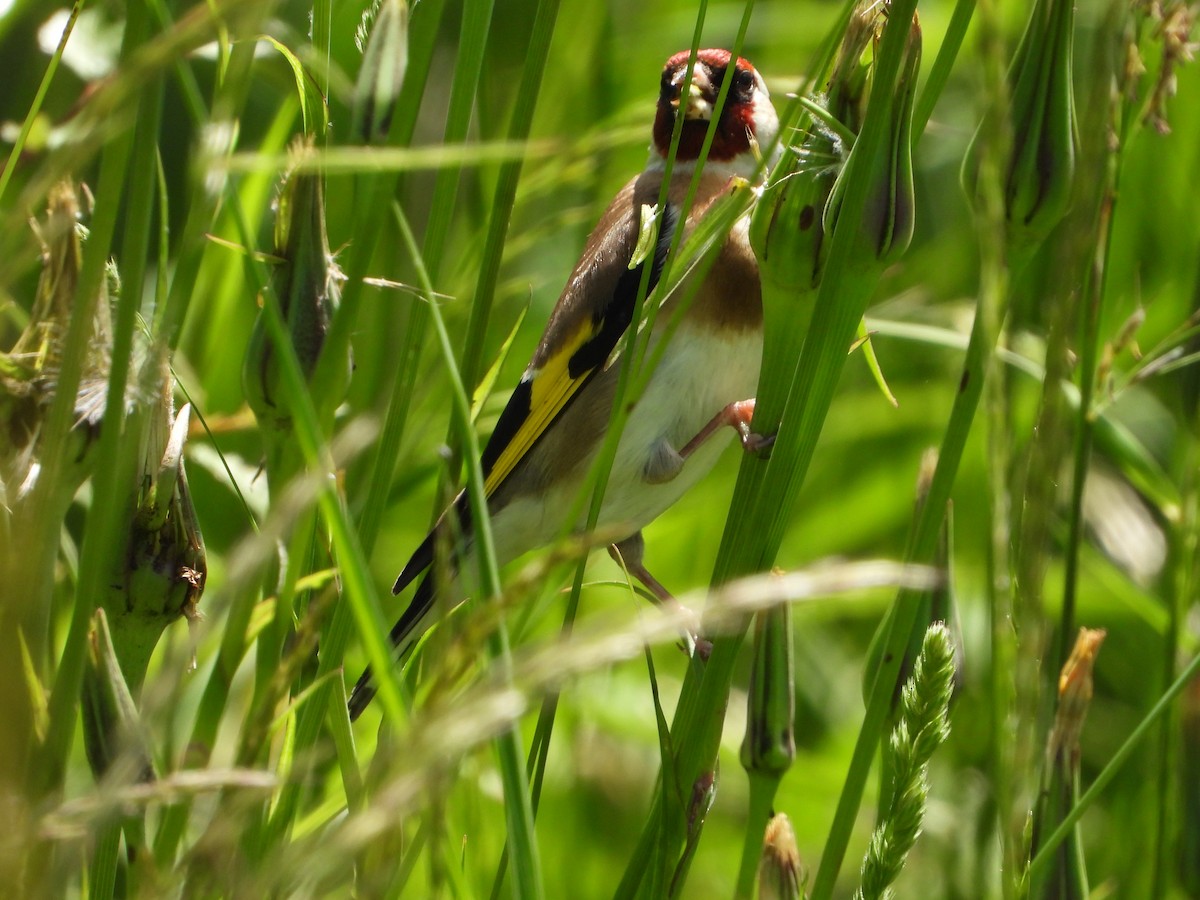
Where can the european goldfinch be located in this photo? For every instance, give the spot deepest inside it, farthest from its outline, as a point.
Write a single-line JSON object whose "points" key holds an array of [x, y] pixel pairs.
{"points": [[545, 440]]}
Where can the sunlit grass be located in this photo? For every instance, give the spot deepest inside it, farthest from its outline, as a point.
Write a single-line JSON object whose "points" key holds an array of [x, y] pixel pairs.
{"points": [[1040, 331]]}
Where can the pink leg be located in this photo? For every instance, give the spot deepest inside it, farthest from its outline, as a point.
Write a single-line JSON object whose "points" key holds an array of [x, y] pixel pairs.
{"points": [[628, 554], [737, 415]]}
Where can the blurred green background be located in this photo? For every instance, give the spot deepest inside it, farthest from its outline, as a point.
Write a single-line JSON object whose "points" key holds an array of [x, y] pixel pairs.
{"points": [[591, 133]]}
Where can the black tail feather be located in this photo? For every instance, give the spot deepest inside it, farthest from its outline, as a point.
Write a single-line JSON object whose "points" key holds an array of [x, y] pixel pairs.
{"points": [[404, 635], [422, 557]]}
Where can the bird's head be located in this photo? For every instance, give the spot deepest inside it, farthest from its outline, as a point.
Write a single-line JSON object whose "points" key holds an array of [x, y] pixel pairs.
{"points": [[747, 118]]}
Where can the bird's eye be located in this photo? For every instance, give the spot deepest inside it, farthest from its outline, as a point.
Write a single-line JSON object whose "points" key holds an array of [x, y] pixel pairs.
{"points": [[743, 82]]}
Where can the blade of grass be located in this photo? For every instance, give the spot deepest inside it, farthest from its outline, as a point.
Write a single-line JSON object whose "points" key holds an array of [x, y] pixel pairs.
{"points": [[767, 493], [357, 583], [373, 193], [527, 880], [1045, 855], [35, 107], [505, 193], [943, 65], [104, 529], [378, 191]]}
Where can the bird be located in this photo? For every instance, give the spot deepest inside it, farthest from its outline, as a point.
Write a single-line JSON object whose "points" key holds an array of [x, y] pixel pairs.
{"points": [[549, 432]]}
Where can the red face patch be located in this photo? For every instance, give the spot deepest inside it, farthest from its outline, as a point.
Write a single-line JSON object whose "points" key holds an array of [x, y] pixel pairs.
{"points": [[736, 125]]}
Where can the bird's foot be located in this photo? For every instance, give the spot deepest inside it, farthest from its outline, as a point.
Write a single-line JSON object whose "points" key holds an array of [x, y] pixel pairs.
{"points": [[738, 416], [628, 554]]}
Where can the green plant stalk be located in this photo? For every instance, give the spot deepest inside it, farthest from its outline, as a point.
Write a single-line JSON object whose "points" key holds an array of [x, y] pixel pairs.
{"points": [[343, 742], [1002, 557], [922, 726], [35, 107], [302, 548], [748, 546], [373, 195], [943, 64], [763, 789], [1045, 855], [357, 582], [378, 189], [1089, 346], [1177, 589], [527, 881], [504, 196], [1082, 455], [201, 205], [102, 874], [906, 607], [322, 22], [769, 745], [100, 536], [468, 67]]}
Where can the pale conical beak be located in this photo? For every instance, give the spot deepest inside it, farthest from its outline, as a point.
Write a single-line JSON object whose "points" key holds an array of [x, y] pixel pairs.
{"points": [[696, 104]]}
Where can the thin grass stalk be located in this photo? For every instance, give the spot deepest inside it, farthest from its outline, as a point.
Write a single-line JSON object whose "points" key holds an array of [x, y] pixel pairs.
{"points": [[201, 203], [504, 196], [468, 67], [373, 198], [356, 580], [102, 874], [1179, 582], [527, 878], [992, 143], [748, 546], [502, 203], [1045, 855], [351, 560], [322, 25], [943, 64], [464, 92], [1089, 347], [1003, 587], [397, 395], [35, 107], [98, 540]]}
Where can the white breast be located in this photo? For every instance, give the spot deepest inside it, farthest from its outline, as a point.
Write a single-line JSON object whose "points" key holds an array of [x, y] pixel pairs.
{"points": [[700, 373]]}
